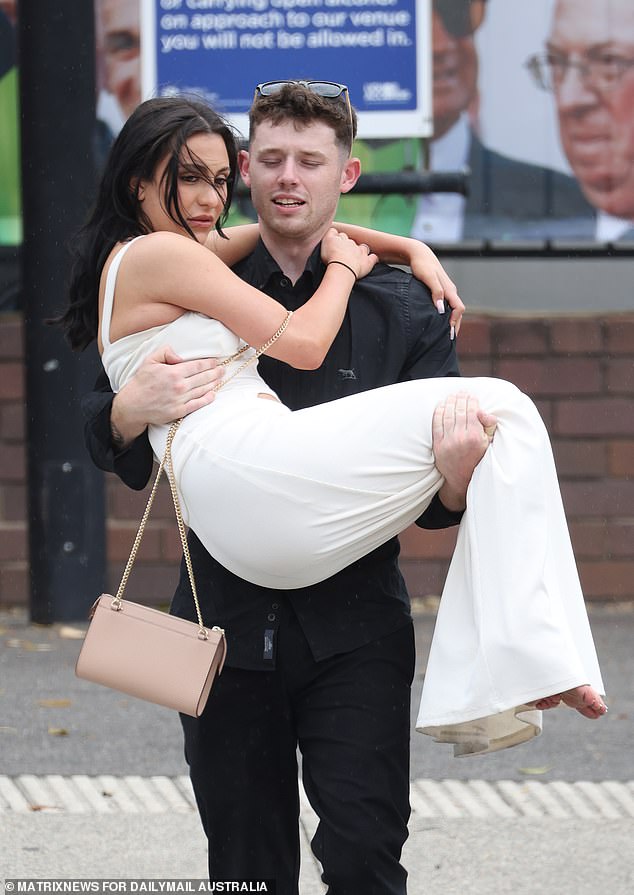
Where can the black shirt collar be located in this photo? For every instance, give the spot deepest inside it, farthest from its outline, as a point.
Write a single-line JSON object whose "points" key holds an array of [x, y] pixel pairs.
{"points": [[260, 267]]}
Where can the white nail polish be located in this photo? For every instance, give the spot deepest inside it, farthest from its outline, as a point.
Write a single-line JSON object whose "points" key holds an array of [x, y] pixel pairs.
{"points": [[441, 306], [452, 333]]}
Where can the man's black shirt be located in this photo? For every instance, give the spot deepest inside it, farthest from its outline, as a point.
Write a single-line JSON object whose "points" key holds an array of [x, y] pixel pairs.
{"points": [[391, 333]]}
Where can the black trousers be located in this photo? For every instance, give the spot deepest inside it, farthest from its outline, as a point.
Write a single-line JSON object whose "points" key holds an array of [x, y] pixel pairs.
{"points": [[350, 717]]}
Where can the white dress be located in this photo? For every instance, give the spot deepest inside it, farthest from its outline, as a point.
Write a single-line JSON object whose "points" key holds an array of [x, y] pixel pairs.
{"points": [[285, 499]]}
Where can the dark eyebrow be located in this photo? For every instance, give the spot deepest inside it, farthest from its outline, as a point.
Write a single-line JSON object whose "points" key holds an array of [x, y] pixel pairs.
{"points": [[592, 48], [187, 167], [277, 150]]}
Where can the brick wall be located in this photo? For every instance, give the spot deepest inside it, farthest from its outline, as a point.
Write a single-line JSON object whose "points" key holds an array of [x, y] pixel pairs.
{"points": [[580, 371], [13, 529]]}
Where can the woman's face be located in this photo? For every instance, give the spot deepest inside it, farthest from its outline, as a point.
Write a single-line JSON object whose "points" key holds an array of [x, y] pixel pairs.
{"points": [[202, 187]]}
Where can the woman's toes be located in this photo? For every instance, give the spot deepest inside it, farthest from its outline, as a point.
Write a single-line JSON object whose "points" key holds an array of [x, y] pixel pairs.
{"points": [[548, 702], [586, 701]]}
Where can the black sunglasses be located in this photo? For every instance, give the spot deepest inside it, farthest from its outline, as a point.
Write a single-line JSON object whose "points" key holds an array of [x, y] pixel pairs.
{"points": [[460, 17], [327, 89]]}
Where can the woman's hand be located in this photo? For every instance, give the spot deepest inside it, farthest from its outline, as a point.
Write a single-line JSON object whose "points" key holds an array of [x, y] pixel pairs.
{"points": [[336, 246], [424, 264], [427, 268]]}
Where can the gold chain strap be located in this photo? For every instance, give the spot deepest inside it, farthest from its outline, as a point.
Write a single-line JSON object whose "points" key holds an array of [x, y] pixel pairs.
{"points": [[166, 464], [278, 332]]}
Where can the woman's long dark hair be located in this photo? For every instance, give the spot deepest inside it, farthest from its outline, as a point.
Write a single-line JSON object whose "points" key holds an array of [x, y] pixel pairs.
{"points": [[156, 129]]}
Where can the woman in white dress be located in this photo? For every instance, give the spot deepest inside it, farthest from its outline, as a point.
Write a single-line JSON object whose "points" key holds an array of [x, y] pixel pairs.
{"points": [[285, 499]]}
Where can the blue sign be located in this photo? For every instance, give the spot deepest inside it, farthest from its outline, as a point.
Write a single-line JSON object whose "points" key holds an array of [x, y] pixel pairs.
{"points": [[221, 49]]}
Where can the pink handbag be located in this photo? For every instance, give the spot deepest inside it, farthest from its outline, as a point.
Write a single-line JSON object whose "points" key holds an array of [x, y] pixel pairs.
{"points": [[148, 653]]}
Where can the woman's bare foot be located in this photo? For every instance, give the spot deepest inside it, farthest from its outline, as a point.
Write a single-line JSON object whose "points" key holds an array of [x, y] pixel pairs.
{"points": [[584, 699], [548, 702]]}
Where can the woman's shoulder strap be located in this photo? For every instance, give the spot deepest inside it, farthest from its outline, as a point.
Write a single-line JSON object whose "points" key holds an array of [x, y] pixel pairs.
{"points": [[108, 297]]}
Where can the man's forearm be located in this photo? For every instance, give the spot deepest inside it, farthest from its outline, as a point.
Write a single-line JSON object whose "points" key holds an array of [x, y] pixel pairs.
{"points": [[125, 425], [453, 498], [133, 464]]}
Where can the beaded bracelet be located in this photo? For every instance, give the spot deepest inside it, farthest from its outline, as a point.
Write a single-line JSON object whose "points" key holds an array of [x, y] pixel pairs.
{"points": [[343, 264]]}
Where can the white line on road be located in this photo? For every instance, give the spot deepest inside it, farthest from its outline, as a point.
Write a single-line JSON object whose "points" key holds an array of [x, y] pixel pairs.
{"points": [[106, 794]]}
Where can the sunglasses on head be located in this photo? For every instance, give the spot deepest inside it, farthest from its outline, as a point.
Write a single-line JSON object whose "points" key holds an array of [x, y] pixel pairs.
{"points": [[460, 18], [326, 89]]}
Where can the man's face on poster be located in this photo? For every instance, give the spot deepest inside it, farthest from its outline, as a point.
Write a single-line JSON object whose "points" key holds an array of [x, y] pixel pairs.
{"points": [[591, 53], [455, 61], [9, 8], [120, 28]]}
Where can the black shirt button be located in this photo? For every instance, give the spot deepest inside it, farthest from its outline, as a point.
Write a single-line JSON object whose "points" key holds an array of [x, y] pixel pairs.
{"points": [[271, 616], [275, 605], [285, 282]]}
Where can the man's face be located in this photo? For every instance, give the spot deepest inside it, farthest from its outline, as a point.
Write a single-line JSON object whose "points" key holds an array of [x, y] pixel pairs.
{"points": [[455, 75], [296, 177], [121, 49], [597, 124]]}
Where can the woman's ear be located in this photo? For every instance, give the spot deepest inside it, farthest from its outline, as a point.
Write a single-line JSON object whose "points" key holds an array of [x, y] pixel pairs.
{"points": [[137, 189]]}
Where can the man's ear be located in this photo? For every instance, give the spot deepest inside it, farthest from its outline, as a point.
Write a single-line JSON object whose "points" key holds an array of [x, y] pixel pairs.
{"points": [[243, 166], [350, 174]]}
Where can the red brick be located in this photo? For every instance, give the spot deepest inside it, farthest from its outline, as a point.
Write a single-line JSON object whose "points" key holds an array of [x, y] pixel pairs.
{"points": [[607, 579], [11, 337], [123, 503], [520, 337], [553, 376], [14, 584], [12, 463], [603, 497], [620, 538], [595, 416], [153, 584], [12, 422], [589, 539], [621, 458], [580, 458], [620, 334], [11, 382], [13, 542], [619, 375], [120, 538], [475, 337], [572, 336], [603, 539], [13, 502], [472, 366], [546, 412], [419, 543], [171, 548]]}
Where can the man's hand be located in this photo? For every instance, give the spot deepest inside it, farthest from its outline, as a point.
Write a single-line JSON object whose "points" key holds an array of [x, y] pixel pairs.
{"points": [[163, 389], [461, 434]]}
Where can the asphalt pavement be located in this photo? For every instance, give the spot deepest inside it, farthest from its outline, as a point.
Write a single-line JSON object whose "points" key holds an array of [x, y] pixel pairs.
{"points": [[93, 784]]}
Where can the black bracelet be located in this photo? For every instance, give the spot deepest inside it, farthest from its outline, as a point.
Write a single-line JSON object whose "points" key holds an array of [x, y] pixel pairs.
{"points": [[343, 264]]}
